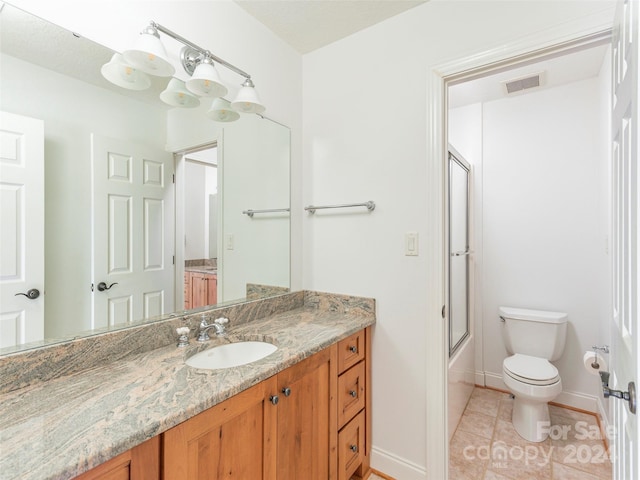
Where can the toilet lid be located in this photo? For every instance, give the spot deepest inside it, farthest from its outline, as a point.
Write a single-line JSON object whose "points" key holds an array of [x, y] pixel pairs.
{"points": [[533, 370]]}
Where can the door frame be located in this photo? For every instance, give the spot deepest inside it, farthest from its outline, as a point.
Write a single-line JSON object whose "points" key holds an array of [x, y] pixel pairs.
{"points": [[555, 40], [180, 192]]}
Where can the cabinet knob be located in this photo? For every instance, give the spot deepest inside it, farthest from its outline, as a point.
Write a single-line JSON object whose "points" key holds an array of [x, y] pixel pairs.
{"points": [[353, 393], [353, 349], [353, 448], [286, 391], [274, 399]]}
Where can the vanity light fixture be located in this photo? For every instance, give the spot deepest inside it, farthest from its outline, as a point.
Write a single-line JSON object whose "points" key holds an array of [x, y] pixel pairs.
{"points": [[177, 95], [205, 80], [120, 73], [247, 100], [221, 111], [150, 56]]}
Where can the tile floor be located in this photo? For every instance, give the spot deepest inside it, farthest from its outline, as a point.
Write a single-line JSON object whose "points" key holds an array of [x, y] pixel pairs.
{"points": [[485, 445]]}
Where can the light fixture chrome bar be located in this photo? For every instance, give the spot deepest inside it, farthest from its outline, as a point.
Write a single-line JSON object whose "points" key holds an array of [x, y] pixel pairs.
{"points": [[370, 206], [184, 41], [252, 212]]}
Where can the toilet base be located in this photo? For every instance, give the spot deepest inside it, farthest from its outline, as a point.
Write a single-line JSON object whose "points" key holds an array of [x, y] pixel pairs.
{"points": [[531, 419]]}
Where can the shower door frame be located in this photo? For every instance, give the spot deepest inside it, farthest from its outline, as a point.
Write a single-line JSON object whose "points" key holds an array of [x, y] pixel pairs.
{"points": [[455, 157]]}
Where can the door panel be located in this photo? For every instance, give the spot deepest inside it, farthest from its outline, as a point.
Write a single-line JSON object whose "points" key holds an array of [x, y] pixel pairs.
{"points": [[624, 368], [133, 242], [21, 229]]}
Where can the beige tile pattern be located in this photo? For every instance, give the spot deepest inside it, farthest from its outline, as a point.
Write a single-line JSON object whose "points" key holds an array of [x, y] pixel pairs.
{"points": [[485, 446]]}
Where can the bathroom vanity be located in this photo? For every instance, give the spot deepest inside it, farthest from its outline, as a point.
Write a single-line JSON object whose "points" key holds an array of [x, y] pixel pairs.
{"points": [[301, 412]]}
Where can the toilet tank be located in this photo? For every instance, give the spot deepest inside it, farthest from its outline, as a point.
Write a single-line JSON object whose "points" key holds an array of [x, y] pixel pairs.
{"points": [[534, 332]]}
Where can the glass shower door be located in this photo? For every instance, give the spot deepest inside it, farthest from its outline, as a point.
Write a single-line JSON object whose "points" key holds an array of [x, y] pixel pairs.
{"points": [[459, 188]]}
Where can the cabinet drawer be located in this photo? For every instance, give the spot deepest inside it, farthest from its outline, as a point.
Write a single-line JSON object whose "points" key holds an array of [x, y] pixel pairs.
{"points": [[350, 351], [351, 393], [351, 447]]}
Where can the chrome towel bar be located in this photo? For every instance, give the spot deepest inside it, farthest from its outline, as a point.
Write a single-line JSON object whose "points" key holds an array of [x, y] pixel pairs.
{"points": [[271, 210], [370, 206]]}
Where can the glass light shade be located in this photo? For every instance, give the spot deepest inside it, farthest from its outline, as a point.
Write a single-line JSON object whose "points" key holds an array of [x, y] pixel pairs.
{"points": [[206, 82], [177, 95], [221, 111], [247, 100], [118, 72], [149, 55]]}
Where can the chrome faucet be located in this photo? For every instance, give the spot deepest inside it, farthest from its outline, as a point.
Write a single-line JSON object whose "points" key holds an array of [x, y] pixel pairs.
{"points": [[218, 325]]}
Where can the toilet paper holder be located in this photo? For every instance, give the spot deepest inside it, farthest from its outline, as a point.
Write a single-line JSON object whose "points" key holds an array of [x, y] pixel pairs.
{"points": [[629, 396]]}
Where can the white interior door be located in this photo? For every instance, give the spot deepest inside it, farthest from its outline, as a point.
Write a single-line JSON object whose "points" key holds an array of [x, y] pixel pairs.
{"points": [[133, 232], [21, 229], [626, 198]]}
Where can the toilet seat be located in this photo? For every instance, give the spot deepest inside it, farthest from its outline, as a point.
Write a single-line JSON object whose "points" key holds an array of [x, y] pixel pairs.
{"points": [[530, 370]]}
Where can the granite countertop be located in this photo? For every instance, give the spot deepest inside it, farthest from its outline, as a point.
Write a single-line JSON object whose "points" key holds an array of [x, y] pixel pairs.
{"points": [[63, 427], [202, 269]]}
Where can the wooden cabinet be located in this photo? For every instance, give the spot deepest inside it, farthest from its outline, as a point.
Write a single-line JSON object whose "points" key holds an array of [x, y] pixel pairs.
{"points": [[311, 421], [200, 289], [282, 428], [306, 423], [139, 463], [232, 440], [354, 406]]}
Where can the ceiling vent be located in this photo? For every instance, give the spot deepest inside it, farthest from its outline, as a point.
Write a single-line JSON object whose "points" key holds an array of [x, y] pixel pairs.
{"points": [[520, 84]]}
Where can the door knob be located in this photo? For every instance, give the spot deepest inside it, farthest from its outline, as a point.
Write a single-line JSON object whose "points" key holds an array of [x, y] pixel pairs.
{"points": [[274, 399], [286, 391], [31, 294], [103, 286], [629, 395]]}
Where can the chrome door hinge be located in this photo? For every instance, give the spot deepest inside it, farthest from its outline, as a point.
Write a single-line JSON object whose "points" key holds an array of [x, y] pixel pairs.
{"points": [[444, 311]]}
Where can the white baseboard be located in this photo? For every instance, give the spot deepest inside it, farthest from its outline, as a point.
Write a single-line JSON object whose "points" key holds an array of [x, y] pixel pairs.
{"points": [[492, 380], [395, 466], [580, 401], [480, 381]]}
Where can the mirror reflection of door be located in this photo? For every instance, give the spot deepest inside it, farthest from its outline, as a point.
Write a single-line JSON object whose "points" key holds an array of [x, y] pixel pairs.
{"points": [[132, 250], [459, 251], [201, 228], [21, 229]]}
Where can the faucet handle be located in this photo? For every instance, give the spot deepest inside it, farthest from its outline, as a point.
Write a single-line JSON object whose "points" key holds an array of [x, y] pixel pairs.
{"points": [[221, 321], [183, 336]]}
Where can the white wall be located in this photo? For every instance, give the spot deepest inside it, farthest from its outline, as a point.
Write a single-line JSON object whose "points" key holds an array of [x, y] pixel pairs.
{"points": [[67, 106], [365, 138], [546, 222], [260, 244], [197, 226]]}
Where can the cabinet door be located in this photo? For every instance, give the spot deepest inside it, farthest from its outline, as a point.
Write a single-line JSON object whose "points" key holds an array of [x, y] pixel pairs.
{"points": [[187, 290], [307, 419], [232, 440], [212, 289], [198, 290], [139, 463]]}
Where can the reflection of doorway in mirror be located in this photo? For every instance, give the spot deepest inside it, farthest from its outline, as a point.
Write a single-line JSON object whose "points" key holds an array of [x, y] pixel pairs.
{"points": [[201, 228]]}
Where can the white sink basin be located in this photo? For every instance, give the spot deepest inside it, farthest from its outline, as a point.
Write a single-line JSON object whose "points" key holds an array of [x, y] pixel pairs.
{"points": [[231, 355]]}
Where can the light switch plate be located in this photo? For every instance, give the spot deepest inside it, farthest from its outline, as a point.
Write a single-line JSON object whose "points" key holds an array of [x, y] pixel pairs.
{"points": [[411, 244]]}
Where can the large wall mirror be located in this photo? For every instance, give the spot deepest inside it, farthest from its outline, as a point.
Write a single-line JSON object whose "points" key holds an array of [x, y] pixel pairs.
{"points": [[135, 210]]}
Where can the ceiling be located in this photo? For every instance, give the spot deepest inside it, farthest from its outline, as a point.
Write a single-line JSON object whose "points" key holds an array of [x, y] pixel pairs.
{"points": [[307, 25], [580, 64]]}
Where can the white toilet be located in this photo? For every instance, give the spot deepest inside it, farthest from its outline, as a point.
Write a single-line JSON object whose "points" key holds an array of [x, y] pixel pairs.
{"points": [[533, 338]]}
